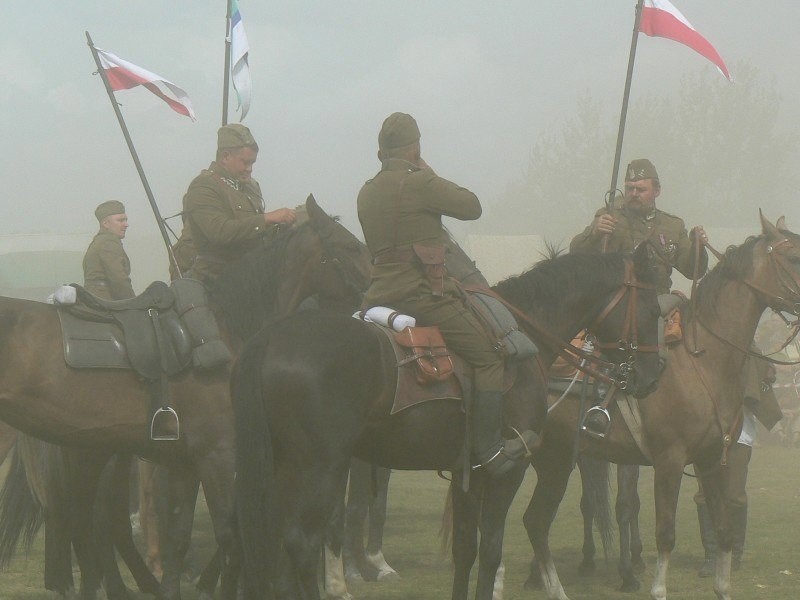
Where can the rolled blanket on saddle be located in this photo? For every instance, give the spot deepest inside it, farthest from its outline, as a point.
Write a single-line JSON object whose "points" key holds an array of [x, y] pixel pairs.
{"points": [[387, 317]]}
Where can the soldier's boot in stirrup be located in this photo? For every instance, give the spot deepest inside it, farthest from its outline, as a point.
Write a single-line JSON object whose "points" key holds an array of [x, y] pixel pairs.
{"points": [[496, 454], [708, 537]]}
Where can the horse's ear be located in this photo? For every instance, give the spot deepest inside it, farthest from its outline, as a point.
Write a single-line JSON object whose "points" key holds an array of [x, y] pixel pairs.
{"points": [[641, 261], [781, 223], [318, 217], [768, 228]]}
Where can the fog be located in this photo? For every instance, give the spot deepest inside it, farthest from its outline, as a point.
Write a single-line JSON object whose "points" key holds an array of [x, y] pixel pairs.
{"points": [[484, 81]]}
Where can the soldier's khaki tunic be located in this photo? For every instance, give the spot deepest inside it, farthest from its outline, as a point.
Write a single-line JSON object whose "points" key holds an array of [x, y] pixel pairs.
{"points": [[226, 219], [106, 268], [403, 205], [666, 232]]}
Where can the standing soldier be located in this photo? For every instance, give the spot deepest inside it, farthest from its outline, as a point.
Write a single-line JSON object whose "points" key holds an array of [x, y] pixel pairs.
{"points": [[401, 211], [106, 268], [223, 207]]}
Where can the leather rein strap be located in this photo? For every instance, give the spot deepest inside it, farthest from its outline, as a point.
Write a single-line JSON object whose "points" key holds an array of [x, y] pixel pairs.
{"points": [[577, 357]]}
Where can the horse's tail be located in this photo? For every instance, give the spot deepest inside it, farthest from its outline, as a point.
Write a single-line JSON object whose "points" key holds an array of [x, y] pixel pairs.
{"points": [[257, 511], [597, 488], [446, 529], [21, 515]]}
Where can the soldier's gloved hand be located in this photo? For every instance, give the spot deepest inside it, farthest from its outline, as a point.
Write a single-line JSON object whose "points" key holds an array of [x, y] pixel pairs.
{"points": [[283, 216], [699, 231], [603, 224]]}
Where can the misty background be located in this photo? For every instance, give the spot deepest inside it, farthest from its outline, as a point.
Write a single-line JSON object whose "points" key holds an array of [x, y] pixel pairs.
{"points": [[518, 101]]}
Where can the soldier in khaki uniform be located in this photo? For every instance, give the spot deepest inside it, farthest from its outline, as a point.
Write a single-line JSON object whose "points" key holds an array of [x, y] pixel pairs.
{"points": [[636, 220], [106, 268], [223, 207], [401, 211]]}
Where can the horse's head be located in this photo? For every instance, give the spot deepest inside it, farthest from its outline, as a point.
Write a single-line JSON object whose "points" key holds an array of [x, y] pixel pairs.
{"points": [[775, 271], [627, 327], [333, 264]]}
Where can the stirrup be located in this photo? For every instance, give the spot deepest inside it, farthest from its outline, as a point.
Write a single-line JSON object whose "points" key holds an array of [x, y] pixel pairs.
{"points": [[596, 432], [168, 414]]}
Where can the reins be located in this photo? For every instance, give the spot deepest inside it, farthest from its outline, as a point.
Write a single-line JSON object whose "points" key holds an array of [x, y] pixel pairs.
{"points": [[579, 358]]}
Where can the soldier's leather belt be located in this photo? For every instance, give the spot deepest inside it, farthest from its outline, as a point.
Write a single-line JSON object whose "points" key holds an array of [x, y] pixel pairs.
{"points": [[399, 255]]}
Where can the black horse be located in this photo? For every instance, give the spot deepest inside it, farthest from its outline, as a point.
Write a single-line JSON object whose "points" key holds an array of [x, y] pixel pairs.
{"points": [[314, 389]]}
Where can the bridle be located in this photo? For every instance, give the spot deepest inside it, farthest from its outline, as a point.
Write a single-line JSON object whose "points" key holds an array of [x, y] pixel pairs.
{"points": [[587, 362], [329, 258], [789, 285], [629, 338]]}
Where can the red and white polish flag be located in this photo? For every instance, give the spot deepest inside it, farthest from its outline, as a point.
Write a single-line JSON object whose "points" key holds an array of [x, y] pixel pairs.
{"points": [[123, 75], [661, 19]]}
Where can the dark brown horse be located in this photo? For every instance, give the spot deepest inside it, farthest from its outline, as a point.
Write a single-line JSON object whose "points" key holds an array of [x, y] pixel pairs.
{"points": [[695, 411], [108, 410], [316, 388]]}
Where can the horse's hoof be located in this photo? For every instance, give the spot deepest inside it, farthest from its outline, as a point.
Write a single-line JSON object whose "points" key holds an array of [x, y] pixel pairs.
{"points": [[388, 575], [587, 567], [630, 585]]}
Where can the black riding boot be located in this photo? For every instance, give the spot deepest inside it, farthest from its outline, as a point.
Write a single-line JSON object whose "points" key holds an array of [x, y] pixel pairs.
{"points": [[739, 524], [495, 453], [708, 536]]}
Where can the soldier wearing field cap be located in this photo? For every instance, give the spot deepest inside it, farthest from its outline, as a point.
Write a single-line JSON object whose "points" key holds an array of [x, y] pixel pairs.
{"points": [[223, 209], [106, 267], [401, 210], [635, 220]]}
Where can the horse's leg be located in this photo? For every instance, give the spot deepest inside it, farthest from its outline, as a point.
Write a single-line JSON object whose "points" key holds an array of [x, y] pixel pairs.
{"points": [[148, 517], [626, 490], [553, 469], [358, 498], [336, 544], [377, 521], [181, 497], [587, 565], [666, 487], [120, 525], [637, 563], [497, 498], [104, 513], [465, 535]]}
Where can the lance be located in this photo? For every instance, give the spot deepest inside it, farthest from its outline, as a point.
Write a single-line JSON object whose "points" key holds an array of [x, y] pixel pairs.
{"points": [[226, 78], [612, 190], [159, 220]]}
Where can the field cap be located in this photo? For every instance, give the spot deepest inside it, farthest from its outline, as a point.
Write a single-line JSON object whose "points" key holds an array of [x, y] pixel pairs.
{"points": [[235, 135], [106, 209], [398, 130], [639, 169]]}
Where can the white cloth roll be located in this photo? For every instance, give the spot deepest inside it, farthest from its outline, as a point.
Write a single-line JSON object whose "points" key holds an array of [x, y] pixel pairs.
{"points": [[64, 295], [387, 317]]}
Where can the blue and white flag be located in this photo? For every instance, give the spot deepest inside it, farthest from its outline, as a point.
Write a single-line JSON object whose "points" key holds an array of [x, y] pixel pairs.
{"points": [[240, 69]]}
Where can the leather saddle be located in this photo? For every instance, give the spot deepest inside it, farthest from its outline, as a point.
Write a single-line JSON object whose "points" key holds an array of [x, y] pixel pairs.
{"points": [[142, 333], [426, 370]]}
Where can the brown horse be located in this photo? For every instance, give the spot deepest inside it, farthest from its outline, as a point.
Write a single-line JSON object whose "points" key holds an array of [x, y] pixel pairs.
{"points": [[695, 411], [108, 410], [316, 388]]}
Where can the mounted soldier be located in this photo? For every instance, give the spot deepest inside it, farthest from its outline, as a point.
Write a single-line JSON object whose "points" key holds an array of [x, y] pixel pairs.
{"points": [[634, 219], [401, 210]]}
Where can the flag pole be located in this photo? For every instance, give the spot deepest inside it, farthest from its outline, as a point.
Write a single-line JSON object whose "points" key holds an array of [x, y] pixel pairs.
{"points": [[624, 112], [134, 155], [612, 190], [227, 73]]}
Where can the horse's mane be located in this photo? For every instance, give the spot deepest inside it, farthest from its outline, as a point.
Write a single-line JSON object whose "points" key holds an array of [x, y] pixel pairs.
{"points": [[553, 284], [734, 266], [245, 293]]}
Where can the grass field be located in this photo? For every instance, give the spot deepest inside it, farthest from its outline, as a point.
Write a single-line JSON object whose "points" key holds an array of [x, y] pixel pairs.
{"points": [[771, 567]]}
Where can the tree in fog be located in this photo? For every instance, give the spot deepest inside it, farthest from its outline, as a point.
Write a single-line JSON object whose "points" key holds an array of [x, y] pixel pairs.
{"points": [[720, 149]]}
